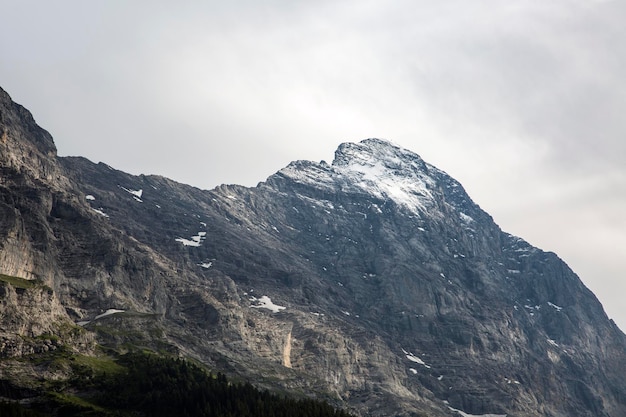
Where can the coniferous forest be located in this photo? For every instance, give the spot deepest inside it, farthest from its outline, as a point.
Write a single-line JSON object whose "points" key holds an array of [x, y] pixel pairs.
{"points": [[149, 385]]}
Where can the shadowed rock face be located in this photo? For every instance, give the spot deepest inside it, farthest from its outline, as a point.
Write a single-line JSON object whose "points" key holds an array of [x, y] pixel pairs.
{"points": [[374, 280]]}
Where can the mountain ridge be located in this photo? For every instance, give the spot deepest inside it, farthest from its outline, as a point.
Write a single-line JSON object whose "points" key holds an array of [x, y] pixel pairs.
{"points": [[375, 281]]}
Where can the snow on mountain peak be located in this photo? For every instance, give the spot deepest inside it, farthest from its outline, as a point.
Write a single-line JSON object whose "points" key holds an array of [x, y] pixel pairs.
{"points": [[387, 172], [374, 166]]}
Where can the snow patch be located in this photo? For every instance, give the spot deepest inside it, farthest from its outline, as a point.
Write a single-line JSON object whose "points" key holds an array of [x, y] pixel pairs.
{"points": [[136, 193], [464, 414], [409, 191], [467, 219], [100, 212], [195, 241], [554, 306], [415, 359], [266, 302], [108, 313]]}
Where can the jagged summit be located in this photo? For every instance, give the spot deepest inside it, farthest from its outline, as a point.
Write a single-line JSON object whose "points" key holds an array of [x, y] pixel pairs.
{"points": [[387, 172], [384, 151], [383, 170]]}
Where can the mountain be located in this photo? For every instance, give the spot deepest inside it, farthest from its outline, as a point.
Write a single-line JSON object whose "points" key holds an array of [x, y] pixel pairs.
{"points": [[373, 282]]}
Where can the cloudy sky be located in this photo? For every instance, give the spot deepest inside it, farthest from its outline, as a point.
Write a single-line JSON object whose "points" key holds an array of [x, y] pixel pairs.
{"points": [[522, 101]]}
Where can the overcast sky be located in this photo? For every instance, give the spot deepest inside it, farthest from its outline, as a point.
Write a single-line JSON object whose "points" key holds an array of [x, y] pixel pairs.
{"points": [[522, 101]]}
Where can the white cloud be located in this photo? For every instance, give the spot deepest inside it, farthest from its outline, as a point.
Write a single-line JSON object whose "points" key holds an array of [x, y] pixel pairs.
{"points": [[521, 101]]}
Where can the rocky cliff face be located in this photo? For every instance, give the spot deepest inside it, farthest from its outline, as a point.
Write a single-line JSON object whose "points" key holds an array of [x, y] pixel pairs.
{"points": [[374, 281]]}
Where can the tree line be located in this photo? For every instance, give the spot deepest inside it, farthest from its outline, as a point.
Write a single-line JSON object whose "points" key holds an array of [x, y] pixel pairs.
{"points": [[157, 386]]}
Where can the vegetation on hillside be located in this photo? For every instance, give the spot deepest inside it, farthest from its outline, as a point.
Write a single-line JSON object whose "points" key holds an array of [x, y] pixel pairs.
{"points": [[145, 384], [20, 283]]}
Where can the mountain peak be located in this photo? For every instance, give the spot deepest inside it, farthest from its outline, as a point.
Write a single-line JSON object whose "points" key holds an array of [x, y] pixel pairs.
{"points": [[379, 149], [386, 171], [376, 167]]}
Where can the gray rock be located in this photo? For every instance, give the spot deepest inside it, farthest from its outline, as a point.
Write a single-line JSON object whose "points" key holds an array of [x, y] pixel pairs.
{"points": [[374, 281]]}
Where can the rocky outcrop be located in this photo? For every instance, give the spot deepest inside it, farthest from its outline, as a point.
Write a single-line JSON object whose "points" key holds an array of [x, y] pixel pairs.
{"points": [[24, 146], [374, 281], [33, 321]]}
